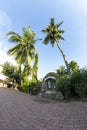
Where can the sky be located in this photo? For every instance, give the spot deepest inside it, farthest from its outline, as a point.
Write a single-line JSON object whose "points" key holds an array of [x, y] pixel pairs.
{"points": [[14, 15]]}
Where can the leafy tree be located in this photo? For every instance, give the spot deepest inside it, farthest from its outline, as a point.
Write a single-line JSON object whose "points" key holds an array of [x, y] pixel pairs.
{"points": [[8, 69], [53, 35], [63, 85], [73, 66], [24, 51], [61, 71], [12, 72]]}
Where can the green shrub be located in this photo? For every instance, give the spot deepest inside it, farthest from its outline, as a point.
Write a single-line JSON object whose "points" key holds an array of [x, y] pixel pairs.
{"points": [[75, 86], [79, 83], [25, 84], [32, 85], [63, 85], [34, 88]]}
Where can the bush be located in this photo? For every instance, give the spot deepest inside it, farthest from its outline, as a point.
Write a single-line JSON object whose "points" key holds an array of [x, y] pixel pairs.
{"points": [[63, 85], [25, 84], [75, 86], [20, 88], [34, 88], [79, 83]]}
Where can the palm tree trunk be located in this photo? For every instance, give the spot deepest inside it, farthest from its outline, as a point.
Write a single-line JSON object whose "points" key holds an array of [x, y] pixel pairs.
{"points": [[27, 56], [64, 57]]}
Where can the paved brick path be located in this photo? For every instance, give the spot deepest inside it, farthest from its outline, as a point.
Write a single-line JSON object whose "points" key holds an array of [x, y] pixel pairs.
{"points": [[19, 111]]}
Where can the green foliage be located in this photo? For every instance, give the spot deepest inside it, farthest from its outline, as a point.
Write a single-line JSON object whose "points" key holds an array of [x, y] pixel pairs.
{"points": [[25, 52], [25, 84], [75, 86], [35, 69], [73, 66], [63, 85], [32, 85], [79, 83], [13, 73], [8, 69], [61, 71], [34, 88], [53, 32], [26, 70]]}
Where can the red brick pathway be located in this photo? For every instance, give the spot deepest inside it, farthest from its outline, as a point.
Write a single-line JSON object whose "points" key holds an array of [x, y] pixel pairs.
{"points": [[19, 111]]}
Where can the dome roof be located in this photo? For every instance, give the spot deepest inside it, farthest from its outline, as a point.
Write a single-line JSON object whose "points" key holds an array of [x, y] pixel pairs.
{"points": [[50, 75]]}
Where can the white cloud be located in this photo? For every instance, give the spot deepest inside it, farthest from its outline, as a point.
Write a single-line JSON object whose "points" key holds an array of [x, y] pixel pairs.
{"points": [[4, 57], [1, 44], [5, 24]]}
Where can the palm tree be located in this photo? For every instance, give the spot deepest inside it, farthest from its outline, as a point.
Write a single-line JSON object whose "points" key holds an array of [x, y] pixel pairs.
{"points": [[53, 35], [24, 51]]}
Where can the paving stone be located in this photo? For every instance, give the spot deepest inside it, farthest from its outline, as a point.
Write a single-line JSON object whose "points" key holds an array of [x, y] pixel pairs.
{"points": [[20, 111]]}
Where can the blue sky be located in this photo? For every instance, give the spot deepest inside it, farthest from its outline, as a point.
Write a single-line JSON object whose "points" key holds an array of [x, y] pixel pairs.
{"points": [[14, 15]]}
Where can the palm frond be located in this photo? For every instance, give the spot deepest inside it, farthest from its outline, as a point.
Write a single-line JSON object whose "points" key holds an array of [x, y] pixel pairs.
{"points": [[24, 51], [11, 33], [26, 31], [52, 32], [46, 40], [60, 38], [52, 43], [43, 30], [59, 24], [19, 57], [38, 39], [61, 31], [14, 37], [14, 50], [52, 22]]}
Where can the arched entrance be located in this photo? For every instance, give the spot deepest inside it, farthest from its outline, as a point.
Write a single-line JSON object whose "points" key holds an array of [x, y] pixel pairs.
{"points": [[49, 82]]}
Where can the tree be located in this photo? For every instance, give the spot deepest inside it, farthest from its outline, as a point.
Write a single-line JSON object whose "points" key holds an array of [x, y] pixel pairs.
{"points": [[53, 35], [61, 71], [12, 72], [73, 66], [8, 69], [24, 51]]}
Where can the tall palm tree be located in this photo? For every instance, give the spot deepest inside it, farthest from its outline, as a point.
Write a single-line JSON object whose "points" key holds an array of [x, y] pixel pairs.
{"points": [[24, 51], [53, 35]]}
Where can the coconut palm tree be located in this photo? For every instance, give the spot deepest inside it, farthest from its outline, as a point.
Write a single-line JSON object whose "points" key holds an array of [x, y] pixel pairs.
{"points": [[53, 35], [24, 51]]}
